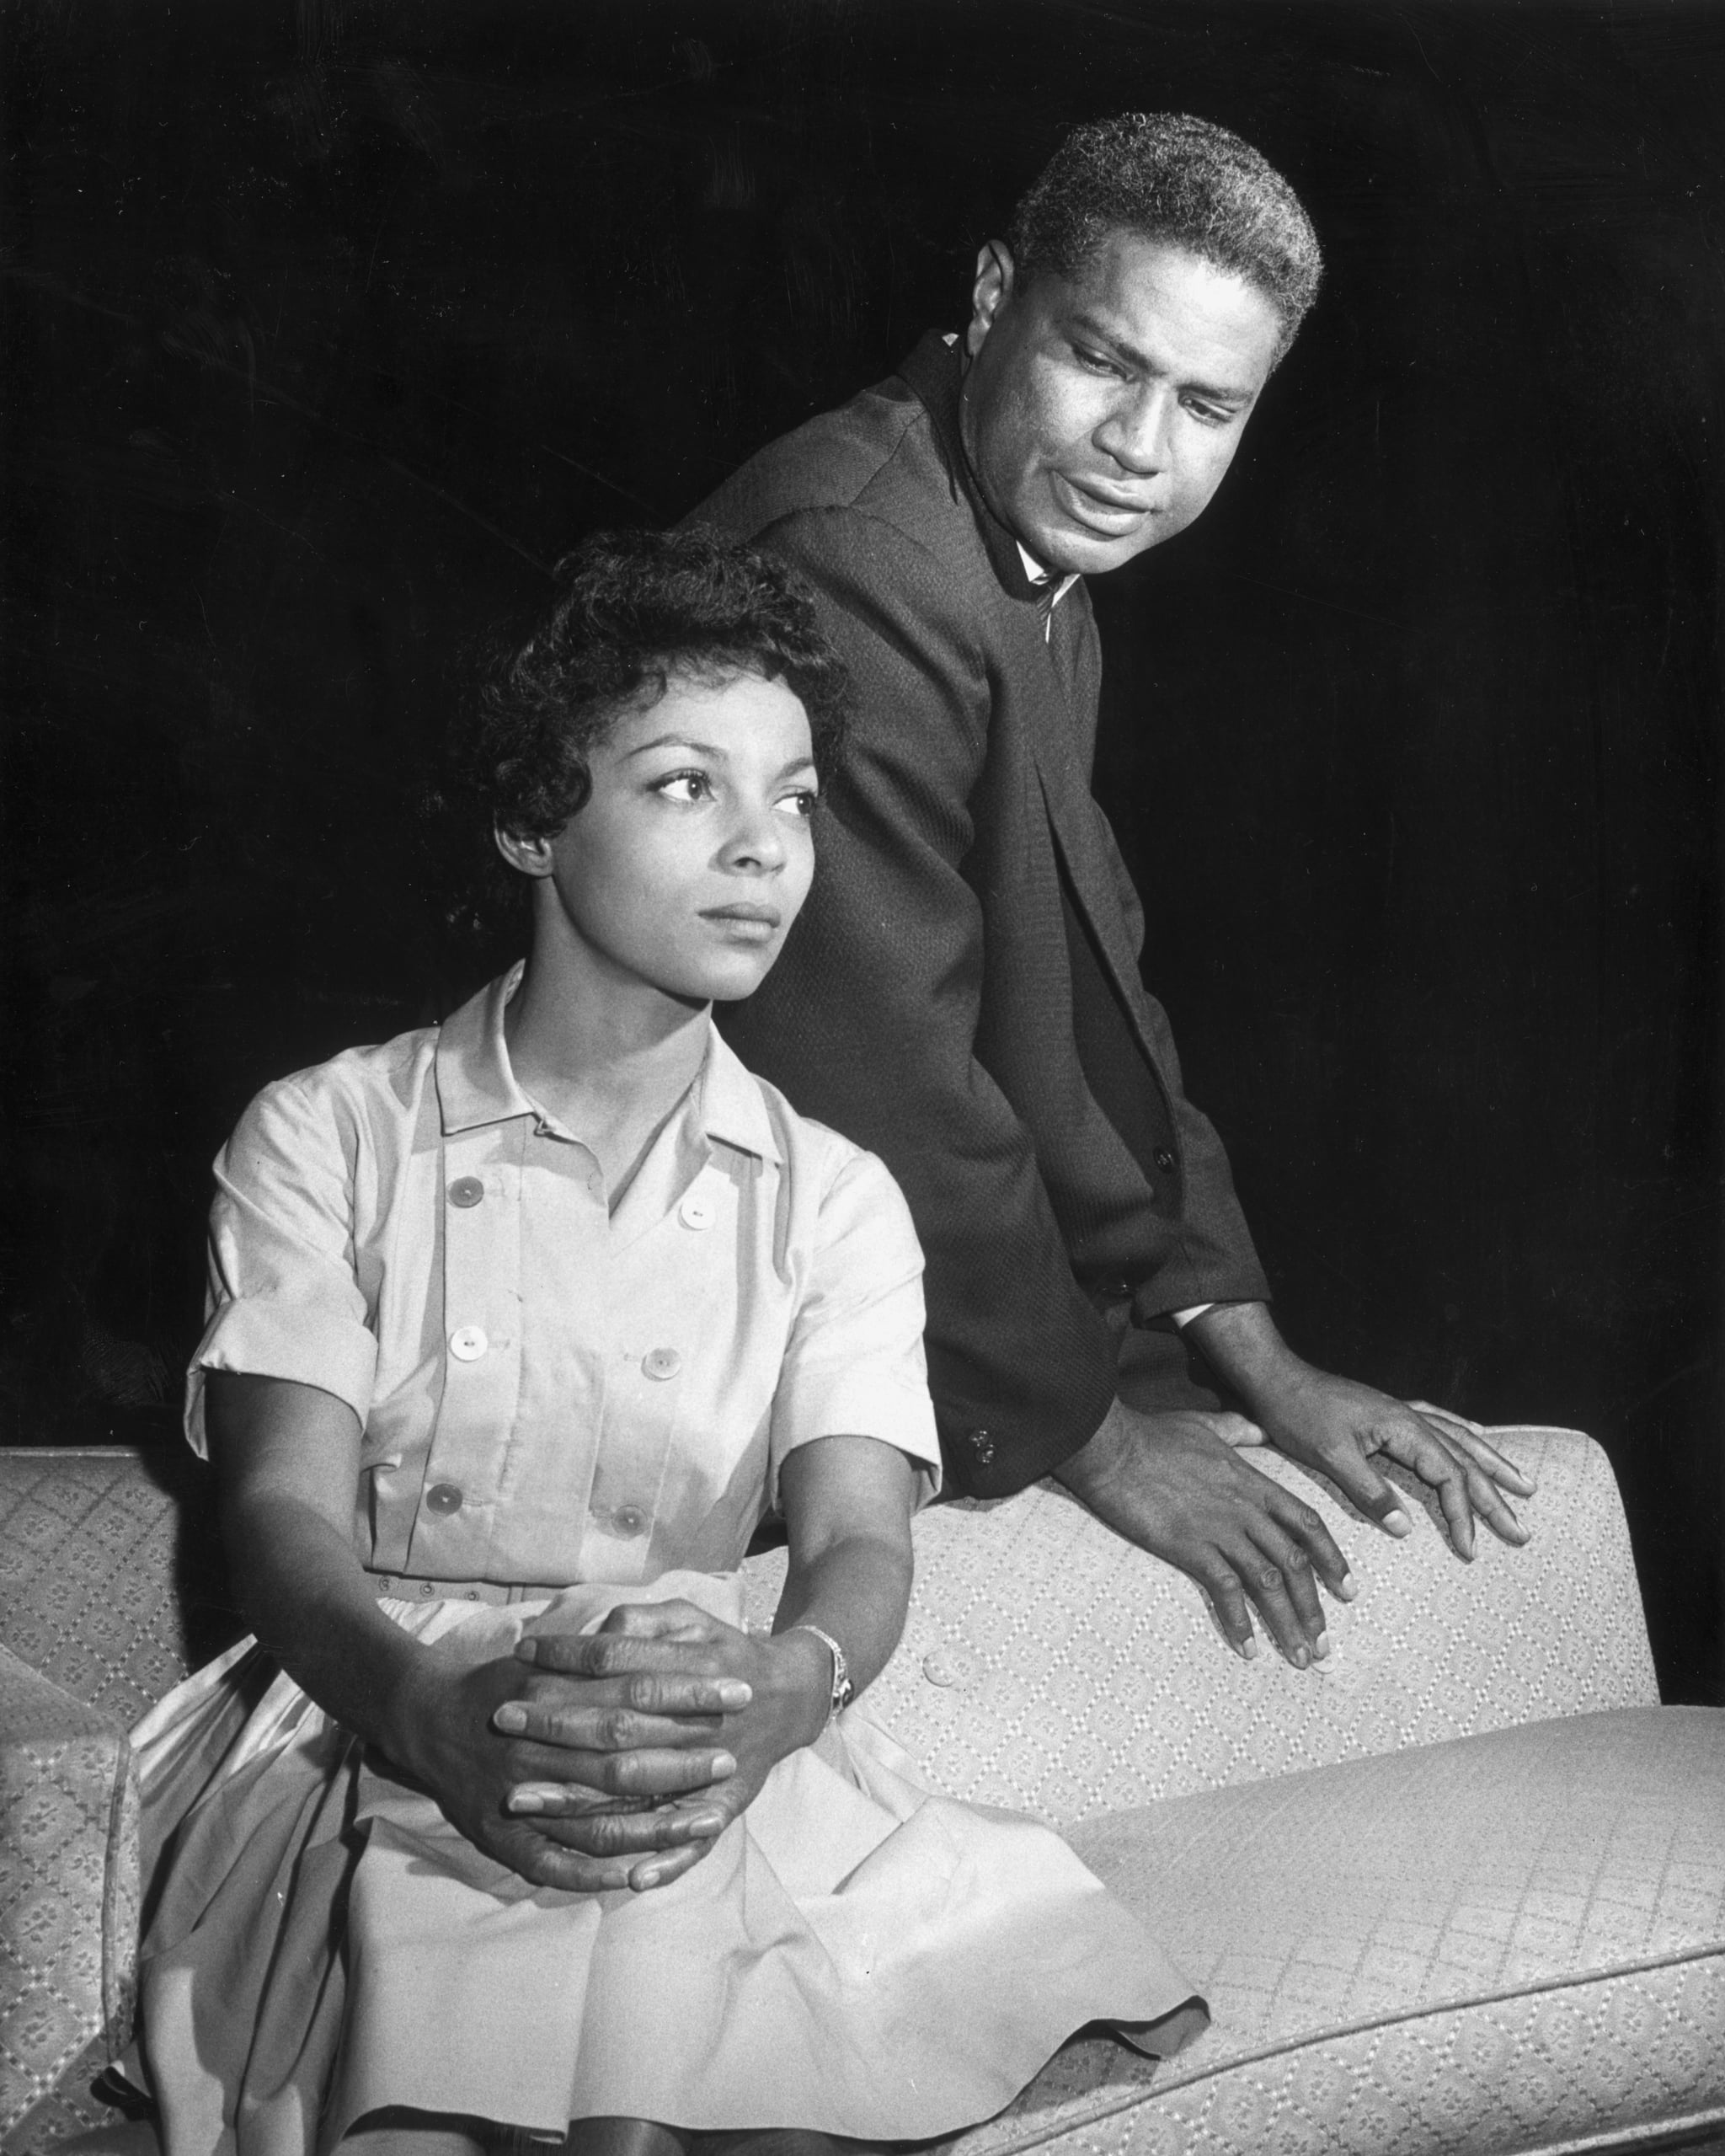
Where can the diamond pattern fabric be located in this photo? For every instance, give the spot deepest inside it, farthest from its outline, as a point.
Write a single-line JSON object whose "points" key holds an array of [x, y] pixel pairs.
{"points": [[68, 1883], [1049, 1666], [1513, 1943]]}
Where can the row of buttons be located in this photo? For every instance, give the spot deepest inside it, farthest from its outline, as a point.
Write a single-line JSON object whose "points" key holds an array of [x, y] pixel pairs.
{"points": [[697, 1209], [626, 1521], [468, 1343]]}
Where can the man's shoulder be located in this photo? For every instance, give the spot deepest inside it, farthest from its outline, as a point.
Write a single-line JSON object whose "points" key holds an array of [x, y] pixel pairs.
{"points": [[877, 460]]}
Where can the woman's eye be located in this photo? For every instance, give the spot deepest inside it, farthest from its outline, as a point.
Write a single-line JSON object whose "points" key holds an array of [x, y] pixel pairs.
{"points": [[684, 786], [803, 803]]}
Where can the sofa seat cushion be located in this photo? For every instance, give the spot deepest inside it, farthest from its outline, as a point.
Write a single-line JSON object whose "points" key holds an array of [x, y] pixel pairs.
{"points": [[68, 1884], [1514, 1942]]}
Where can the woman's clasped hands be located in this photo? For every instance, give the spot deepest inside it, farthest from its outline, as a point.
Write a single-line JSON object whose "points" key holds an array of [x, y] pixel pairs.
{"points": [[616, 1758]]}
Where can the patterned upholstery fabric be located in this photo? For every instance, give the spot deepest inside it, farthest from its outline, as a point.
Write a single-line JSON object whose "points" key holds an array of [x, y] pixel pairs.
{"points": [[68, 1883], [110, 1576], [1512, 1943], [1049, 1666]]}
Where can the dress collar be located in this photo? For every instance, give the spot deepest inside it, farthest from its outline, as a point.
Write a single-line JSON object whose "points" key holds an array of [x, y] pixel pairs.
{"points": [[476, 1084]]}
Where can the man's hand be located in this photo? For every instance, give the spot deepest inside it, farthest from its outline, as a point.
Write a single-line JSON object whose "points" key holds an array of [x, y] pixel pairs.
{"points": [[780, 1693], [1174, 1484], [1337, 1426]]}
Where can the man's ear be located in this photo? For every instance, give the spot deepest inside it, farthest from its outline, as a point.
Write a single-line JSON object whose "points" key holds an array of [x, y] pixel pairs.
{"points": [[532, 856], [990, 292]]}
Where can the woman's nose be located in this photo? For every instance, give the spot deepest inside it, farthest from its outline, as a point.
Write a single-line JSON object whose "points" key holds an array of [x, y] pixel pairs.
{"points": [[756, 840]]}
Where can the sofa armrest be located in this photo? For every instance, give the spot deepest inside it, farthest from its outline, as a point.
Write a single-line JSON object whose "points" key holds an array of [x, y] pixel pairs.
{"points": [[1048, 1666], [68, 1884]]}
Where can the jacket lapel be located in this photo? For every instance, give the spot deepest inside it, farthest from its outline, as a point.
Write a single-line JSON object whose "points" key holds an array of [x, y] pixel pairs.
{"points": [[1061, 727]]}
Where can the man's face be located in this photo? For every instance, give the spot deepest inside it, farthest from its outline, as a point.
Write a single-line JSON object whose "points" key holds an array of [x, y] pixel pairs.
{"points": [[1102, 407]]}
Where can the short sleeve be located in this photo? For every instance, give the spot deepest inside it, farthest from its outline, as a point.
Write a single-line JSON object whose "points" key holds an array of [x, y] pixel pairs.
{"points": [[855, 1366], [284, 1298]]}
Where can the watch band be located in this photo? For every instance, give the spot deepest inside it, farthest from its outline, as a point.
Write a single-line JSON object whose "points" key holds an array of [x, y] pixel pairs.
{"points": [[843, 1691]]}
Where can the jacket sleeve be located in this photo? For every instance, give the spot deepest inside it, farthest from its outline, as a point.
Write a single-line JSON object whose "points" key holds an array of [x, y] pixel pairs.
{"points": [[869, 1019], [1216, 1245]]}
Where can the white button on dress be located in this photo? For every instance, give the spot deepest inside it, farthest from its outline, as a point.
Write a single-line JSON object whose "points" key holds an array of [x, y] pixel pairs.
{"points": [[661, 1362], [697, 1210], [468, 1343]]}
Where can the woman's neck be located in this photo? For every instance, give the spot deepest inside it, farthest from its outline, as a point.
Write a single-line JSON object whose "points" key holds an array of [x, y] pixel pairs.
{"points": [[608, 1057]]}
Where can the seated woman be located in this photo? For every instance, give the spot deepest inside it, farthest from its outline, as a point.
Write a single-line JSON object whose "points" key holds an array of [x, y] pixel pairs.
{"points": [[505, 1824]]}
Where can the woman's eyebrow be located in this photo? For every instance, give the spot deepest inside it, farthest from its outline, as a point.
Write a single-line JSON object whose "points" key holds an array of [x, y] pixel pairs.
{"points": [[675, 741]]}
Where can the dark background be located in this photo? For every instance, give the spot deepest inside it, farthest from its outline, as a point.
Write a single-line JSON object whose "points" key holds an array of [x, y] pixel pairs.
{"points": [[328, 328]]}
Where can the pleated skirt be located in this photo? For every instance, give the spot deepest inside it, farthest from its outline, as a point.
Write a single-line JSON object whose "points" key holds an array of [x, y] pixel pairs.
{"points": [[857, 1954]]}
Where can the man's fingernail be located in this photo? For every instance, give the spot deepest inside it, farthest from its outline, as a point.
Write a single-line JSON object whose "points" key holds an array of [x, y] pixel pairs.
{"points": [[1350, 1587], [523, 1800], [1248, 1648], [734, 1693], [641, 1880], [510, 1717], [1398, 1522], [1302, 1659], [723, 1766], [1321, 1646], [705, 1825]]}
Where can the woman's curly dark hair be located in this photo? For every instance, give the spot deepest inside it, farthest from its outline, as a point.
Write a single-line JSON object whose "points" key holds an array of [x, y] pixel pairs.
{"points": [[632, 610]]}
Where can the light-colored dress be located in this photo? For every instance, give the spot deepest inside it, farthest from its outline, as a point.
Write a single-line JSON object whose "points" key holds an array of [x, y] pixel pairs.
{"points": [[565, 1409]]}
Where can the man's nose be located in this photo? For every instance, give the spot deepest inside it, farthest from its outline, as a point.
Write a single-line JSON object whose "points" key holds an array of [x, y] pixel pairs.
{"points": [[1136, 432]]}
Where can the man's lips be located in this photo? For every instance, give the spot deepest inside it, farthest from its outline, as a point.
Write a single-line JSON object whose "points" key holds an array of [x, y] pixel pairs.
{"points": [[1099, 508]]}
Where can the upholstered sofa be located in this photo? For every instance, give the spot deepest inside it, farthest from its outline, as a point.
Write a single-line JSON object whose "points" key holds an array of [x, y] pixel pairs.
{"points": [[1462, 1888]]}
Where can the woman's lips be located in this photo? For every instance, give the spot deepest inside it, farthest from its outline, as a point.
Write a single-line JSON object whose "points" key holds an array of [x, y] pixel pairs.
{"points": [[752, 925]]}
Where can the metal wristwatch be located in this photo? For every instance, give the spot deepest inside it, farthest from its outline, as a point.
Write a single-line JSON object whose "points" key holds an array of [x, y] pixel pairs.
{"points": [[843, 1691]]}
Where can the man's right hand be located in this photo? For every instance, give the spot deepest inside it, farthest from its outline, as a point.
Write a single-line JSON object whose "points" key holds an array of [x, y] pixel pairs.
{"points": [[1175, 1485]]}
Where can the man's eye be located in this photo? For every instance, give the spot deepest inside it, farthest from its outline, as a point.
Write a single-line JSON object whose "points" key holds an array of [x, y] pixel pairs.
{"points": [[1211, 415], [684, 786], [1098, 363]]}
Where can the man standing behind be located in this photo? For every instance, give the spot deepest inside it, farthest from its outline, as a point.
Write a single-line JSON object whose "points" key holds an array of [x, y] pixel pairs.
{"points": [[962, 992]]}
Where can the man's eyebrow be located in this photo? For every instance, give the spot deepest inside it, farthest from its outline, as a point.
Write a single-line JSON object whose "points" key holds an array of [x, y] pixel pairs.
{"points": [[1100, 333]]}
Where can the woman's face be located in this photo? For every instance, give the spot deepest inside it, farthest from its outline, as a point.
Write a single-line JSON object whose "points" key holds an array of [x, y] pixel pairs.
{"points": [[690, 860]]}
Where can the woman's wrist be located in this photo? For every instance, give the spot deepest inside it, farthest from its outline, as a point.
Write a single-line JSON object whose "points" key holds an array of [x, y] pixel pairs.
{"points": [[806, 1662]]}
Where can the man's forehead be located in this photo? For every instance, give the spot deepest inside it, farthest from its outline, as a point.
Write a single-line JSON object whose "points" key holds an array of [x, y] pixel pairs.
{"points": [[1133, 284]]}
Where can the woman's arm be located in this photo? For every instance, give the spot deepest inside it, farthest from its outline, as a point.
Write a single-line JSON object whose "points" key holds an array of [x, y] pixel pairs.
{"points": [[286, 1458]]}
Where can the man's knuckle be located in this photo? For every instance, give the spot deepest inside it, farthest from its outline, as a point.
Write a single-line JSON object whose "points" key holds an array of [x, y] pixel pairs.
{"points": [[1268, 1577]]}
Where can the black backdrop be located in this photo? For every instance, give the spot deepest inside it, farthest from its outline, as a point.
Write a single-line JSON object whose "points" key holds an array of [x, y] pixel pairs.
{"points": [[327, 327]]}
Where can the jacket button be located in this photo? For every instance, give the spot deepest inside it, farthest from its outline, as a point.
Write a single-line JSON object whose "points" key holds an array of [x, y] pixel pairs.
{"points": [[1164, 1160], [697, 1210], [443, 1497], [981, 1444], [466, 1190], [468, 1343], [627, 1520], [661, 1362]]}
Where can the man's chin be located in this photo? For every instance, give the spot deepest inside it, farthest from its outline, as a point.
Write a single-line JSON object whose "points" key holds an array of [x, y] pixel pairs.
{"points": [[1069, 550]]}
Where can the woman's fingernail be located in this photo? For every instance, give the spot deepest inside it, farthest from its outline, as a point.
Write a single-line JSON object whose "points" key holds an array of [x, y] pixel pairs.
{"points": [[1398, 1522], [734, 1693], [511, 1718], [1321, 1646]]}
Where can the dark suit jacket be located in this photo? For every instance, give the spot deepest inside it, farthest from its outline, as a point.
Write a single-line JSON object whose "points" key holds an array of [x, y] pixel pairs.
{"points": [[962, 992]]}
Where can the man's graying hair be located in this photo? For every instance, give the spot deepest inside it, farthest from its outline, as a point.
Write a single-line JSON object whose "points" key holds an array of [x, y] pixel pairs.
{"points": [[1170, 177]]}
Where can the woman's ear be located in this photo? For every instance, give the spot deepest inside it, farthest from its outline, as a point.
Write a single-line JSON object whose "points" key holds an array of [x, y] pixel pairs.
{"points": [[532, 856]]}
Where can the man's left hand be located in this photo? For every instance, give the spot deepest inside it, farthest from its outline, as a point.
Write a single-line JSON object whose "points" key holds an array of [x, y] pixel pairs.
{"points": [[1337, 1428]]}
